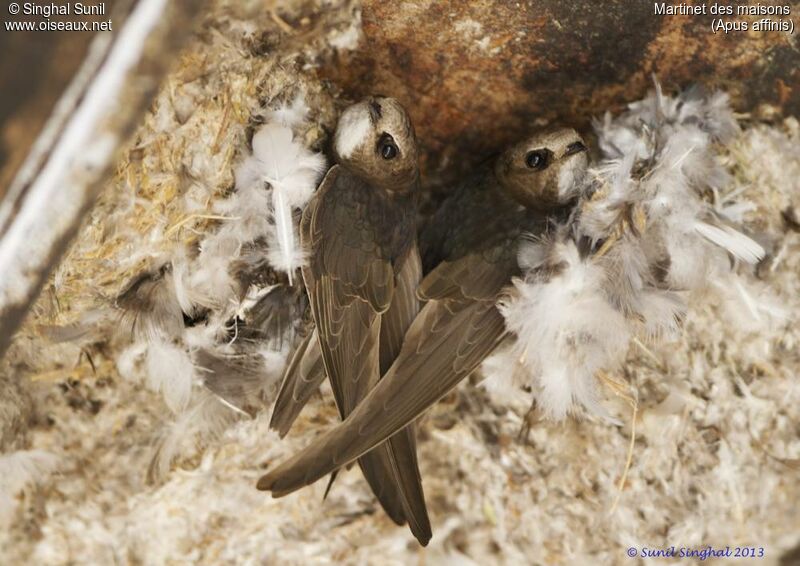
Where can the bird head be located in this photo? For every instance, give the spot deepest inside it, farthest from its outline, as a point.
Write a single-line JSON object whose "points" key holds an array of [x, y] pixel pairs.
{"points": [[375, 139], [544, 172]]}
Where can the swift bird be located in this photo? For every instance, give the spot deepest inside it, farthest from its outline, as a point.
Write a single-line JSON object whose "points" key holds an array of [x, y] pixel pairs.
{"points": [[475, 235], [361, 278]]}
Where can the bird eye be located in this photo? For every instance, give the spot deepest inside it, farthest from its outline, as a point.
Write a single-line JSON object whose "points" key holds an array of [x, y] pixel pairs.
{"points": [[389, 151], [386, 147], [537, 160]]}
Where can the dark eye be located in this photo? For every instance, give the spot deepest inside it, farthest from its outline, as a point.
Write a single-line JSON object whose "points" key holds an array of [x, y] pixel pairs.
{"points": [[537, 159], [386, 147]]}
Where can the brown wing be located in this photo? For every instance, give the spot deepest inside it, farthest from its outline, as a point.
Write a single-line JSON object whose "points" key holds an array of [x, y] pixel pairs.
{"points": [[403, 445], [349, 284], [302, 378], [306, 372], [404, 308], [452, 335]]}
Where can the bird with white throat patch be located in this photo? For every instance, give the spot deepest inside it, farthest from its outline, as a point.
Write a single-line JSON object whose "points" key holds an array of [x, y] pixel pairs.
{"points": [[646, 236], [363, 269], [471, 252]]}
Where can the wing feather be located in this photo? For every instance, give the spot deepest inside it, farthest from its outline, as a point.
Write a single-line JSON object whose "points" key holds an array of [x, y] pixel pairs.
{"points": [[403, 445], [350, 284], [302, 378], [446, 342]]}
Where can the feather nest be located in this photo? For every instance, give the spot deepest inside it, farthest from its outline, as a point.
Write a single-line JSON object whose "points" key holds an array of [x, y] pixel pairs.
{"points": [[654, 237]]}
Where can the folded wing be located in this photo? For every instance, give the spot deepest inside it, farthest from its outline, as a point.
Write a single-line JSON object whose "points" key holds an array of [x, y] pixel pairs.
{"points": [[351, 284], [304, 375], [452, 335]]}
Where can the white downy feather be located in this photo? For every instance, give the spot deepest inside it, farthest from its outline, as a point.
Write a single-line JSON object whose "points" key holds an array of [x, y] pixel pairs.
{"points": [[288, 256], [192, 430], [565, 332], [278, 177], [292, 173], [659, 158], [670, 142], [290, 113], [661, 313], [739, 245], [185, 295], [170, 372], [129, 359]]}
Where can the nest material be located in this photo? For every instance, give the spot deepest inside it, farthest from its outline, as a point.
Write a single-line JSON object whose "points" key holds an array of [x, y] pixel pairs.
{"points": [[716, 447]]}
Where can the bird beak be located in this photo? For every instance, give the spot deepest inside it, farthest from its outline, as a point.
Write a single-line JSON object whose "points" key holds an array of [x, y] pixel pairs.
{"points": [[573, 148]]}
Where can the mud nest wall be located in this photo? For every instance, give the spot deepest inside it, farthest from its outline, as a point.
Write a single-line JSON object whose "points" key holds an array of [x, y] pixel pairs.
{"points": [[100, 470], [478, 75]]}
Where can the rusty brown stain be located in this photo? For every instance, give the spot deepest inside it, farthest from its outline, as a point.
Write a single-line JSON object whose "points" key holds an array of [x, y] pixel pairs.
{"points": [[545, 62]]}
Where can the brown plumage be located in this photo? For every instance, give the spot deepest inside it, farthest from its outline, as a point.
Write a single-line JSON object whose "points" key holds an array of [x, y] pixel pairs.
{"points": [[470, 248], [362, 274], [303, 376]]}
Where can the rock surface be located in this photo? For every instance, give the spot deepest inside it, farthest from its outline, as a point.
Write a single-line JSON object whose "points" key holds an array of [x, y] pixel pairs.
{"points": [[478, 75]]}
